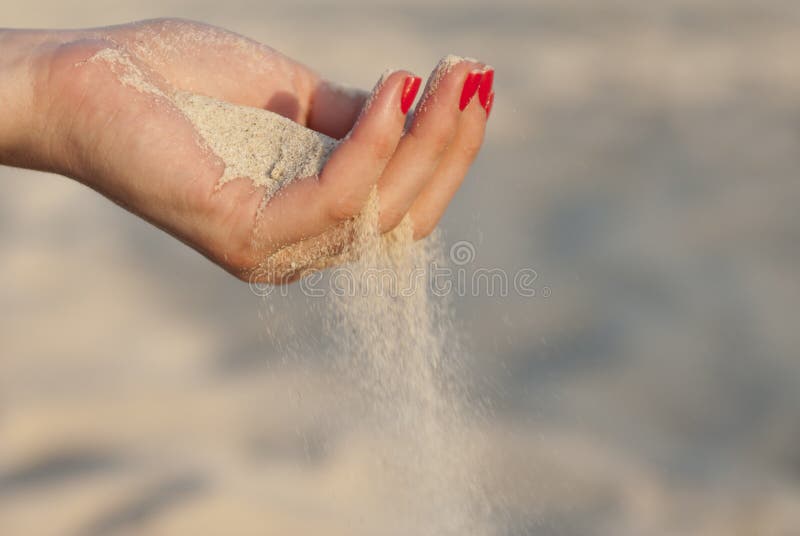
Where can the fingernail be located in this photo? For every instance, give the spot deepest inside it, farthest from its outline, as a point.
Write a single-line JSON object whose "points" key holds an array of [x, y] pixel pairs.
{"points": [[485, 88], [410, 89], [488, 105], [470, 87]]}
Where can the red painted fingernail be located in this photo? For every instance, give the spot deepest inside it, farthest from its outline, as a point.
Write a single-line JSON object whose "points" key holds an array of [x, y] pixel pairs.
{"points": [[410, 89], [485, 88], [470, 87], [488, 105]]}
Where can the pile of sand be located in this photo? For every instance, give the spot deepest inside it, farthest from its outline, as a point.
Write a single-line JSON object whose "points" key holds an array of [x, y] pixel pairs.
{"points": [[267, 148]]}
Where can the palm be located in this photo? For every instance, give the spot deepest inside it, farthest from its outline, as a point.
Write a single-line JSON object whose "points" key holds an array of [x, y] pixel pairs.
{"points": [[177, 55]]}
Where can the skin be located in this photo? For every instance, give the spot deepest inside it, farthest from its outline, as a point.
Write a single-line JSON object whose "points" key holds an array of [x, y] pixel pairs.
{"points": [[75, 118]]}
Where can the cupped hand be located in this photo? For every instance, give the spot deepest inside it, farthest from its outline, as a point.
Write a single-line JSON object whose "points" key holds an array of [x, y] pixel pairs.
{"points": [[134, 147]]}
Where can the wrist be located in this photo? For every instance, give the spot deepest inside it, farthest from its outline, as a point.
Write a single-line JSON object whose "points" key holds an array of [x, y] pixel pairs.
{"points": [[28, 125]]}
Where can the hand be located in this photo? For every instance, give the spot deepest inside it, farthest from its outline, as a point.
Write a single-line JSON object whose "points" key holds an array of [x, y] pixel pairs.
{"points": [[135, 149]]}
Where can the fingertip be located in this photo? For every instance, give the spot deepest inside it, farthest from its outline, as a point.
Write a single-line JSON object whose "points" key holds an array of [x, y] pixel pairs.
{"points": [[392, 96], [382, 119], [453, 82]]}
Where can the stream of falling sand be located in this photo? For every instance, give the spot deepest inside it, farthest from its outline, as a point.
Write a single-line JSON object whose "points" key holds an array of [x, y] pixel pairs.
{"points": [[401, 348]]}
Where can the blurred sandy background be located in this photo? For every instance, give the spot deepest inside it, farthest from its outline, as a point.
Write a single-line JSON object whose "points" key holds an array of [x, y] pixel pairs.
{"points": [[642, 157]]}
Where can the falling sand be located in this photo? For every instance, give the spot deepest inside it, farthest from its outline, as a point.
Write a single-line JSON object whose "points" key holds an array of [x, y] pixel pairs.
{"points": [[395, 341]]}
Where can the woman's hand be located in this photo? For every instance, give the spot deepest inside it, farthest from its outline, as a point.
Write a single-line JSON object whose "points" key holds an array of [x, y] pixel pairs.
{"points": [[78, 118]]}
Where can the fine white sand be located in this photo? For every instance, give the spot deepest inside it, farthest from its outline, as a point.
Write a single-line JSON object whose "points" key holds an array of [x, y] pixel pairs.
{"points": [[269, 149]]}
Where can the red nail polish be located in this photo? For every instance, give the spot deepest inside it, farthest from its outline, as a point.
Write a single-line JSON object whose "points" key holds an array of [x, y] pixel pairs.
{"points": [[470, 87], [488, 105], [410, 89], [485, 88]]}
